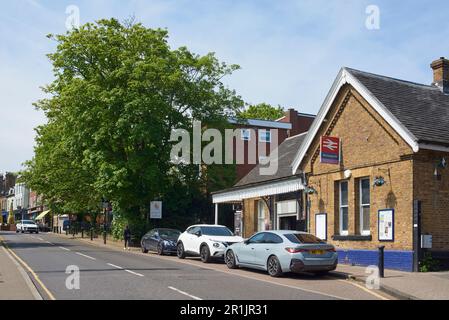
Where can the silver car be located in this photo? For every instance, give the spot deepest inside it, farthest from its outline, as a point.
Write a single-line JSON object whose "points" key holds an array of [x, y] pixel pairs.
{"points": [[283, 251]]}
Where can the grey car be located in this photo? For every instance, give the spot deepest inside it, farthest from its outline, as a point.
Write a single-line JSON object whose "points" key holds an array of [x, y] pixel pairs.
{"points": [[279, 252]]}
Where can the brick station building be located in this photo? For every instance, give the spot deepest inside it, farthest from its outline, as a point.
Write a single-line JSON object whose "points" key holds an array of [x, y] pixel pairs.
{"points": [[389, 185]]}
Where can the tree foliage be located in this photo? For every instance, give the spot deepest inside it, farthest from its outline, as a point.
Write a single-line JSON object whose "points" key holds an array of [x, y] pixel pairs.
{"points": [[262, 111], [118, 92]]}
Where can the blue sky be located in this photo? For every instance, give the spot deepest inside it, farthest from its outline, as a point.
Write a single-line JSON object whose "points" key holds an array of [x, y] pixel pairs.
{"points": [[290, 51]]}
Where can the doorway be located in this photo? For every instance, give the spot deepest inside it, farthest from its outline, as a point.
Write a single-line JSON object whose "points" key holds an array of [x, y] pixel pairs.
{"points": [[287, 223]]}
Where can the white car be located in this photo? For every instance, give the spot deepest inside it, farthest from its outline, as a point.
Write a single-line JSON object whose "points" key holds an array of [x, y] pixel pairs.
{"points": [[206, 241], [27, 226]]}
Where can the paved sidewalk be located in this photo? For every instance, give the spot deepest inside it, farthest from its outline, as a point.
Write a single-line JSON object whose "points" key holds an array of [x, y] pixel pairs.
{"points": [[405, 285], [14, 281]]}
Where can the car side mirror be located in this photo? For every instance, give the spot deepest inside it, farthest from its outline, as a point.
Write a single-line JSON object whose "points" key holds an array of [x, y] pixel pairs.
{"points": [[246, 242], [198, 234]]}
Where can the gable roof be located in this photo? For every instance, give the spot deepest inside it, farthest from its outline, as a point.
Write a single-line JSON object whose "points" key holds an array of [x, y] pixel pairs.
{"points": [[255, 185], [422, 109], [285, 155], [418, 113]]}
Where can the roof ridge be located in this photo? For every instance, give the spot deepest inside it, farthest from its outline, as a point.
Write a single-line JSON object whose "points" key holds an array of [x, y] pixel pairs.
{"points": [[391, 78], [295, 136]]}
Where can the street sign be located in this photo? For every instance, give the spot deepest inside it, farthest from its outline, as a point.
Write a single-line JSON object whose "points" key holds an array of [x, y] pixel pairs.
{"points": [[156, 210], [330, 150]]}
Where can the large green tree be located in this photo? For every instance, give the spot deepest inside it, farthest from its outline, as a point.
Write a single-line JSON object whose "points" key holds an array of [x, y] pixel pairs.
{"points": [[119, 91], [262, 111]]}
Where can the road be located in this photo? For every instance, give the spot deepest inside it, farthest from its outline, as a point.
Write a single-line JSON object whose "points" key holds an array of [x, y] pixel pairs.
{"points": [[107, 273]]}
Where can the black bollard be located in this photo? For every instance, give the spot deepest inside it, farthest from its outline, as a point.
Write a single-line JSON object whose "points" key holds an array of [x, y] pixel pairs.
{"points": [[381, 261], [91, 234]]}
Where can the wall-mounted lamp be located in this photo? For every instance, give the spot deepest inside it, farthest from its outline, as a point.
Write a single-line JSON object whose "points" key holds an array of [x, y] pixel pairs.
{"points": [[379, 181], [310, 190], [441, 164]]}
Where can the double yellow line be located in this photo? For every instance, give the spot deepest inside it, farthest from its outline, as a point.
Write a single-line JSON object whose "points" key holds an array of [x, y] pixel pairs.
{"points": [[27, 267]]}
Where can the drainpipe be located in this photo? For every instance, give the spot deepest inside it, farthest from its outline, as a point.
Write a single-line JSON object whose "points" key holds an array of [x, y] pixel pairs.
{"points": [[416, 234]]}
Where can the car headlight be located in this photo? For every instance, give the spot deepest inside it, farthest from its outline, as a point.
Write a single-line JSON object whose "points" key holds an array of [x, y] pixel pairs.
{"points": [[216, 245]]}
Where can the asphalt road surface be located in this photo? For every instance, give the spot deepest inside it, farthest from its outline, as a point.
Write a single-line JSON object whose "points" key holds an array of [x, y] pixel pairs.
{"points": [[111, 274]]}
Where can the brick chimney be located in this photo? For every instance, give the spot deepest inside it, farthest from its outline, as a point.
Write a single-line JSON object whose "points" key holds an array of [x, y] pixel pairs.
{"points": [[441, 74]]}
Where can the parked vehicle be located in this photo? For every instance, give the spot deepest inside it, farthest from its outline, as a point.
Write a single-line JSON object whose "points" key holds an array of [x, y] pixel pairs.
{"points": [[206, 241], [27, 226], [283, 251], [163, 241]]}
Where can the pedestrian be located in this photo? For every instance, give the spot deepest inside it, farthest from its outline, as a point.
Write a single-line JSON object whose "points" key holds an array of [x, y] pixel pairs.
{"points": [[127, 237]]}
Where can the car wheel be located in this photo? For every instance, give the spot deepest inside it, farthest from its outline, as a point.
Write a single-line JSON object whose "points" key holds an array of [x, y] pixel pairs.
{"points": [[17, 231], [205, 254], [160, 249], [230, 260], [144, 250], [23, 231], [274, 267], [180, 251]]}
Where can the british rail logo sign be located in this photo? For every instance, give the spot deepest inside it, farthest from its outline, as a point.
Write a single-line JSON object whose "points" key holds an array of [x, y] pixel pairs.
{"points": [[330, 150]]}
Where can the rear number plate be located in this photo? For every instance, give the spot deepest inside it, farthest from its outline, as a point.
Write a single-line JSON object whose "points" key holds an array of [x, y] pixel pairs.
{"points": [[317, 252]]}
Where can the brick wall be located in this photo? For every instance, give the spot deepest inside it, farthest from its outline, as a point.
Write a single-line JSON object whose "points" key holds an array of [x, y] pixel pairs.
{"points": [[370, 148], [434, 195]]}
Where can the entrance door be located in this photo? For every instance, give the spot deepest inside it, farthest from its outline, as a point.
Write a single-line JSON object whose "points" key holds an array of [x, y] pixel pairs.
{"points": [[287, 223]]}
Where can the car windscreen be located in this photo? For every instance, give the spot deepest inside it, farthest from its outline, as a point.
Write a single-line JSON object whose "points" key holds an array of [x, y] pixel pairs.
{"points": [[216, 231], [169, 234], [301, 238], [28, 222]]}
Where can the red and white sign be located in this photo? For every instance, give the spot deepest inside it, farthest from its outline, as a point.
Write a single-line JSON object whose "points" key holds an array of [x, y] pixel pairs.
{"points": [[330, 150]]}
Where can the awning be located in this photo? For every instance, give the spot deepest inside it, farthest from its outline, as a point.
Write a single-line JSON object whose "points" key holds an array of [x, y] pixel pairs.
{"points": [[268, 189], [42, 215]]}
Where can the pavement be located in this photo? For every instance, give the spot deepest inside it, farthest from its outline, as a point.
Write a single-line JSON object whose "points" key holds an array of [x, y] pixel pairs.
{"points": [[15, 284], [109, 272], [404, 285]]}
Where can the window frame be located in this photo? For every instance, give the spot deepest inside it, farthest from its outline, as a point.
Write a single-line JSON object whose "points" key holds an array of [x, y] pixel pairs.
{"points": [[265, 132], [243, 136], [364, 205], [262, 234], [340, 207]]}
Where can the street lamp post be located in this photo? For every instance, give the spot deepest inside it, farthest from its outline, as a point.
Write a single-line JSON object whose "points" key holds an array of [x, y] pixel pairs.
{"points": [[105, 205]]}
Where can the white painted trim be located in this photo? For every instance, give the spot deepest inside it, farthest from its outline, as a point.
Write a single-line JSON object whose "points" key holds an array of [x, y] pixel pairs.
{"points": [[263, 123], [345, 77], [268, 189], [261, 133], [340, 206], [361, 206]]}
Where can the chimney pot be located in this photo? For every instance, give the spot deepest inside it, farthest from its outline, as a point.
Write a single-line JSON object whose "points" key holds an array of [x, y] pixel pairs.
{"points": [[441, 74]]}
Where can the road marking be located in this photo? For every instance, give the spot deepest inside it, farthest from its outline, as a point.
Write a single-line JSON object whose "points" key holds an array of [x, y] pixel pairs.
{"points": [[365, 289], [85, 256], [24, 264], [230, 273], [135, 273], [50, 243], [64, 248], [185, 293], [113, 265], [248, 277]]}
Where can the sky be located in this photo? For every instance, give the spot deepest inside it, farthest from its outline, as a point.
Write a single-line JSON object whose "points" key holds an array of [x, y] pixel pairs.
{"points": [[290, 51]]}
